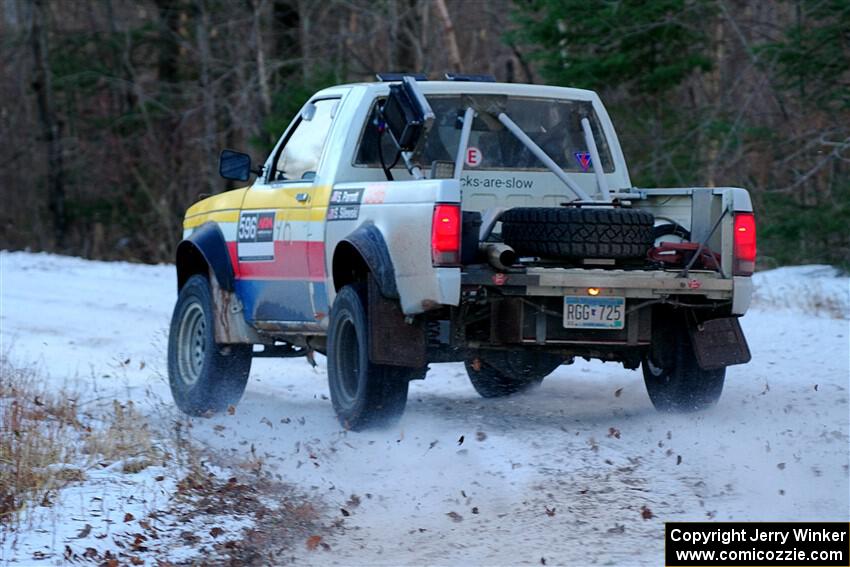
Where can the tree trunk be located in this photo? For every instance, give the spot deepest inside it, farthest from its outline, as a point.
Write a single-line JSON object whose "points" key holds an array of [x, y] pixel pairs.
{"points": [[392, 61], [169, 48], [455, 61], [286, 32], [51, 127], [208, 139], [409, 50], [304, 39], [714, 92], [258, 7]]}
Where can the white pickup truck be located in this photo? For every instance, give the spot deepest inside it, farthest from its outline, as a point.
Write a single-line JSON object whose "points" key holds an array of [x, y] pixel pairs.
{"points": [[402, 223]]}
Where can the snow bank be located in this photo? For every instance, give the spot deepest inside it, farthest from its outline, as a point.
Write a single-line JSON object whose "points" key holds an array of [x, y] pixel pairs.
{"points": [[816, 289]]}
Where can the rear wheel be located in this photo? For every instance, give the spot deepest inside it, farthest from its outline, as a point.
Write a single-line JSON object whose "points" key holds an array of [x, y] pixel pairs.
{"points": [[205, 377], [503, 373], [674, 380], [363, 394]]}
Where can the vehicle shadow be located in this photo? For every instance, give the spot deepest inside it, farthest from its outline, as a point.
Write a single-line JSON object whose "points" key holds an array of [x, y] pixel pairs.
{"points": [[573, 397], [559, 403]]}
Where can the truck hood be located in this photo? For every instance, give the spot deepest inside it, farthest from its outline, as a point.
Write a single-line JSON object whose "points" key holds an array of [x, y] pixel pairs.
{"points": [[230, 200]]}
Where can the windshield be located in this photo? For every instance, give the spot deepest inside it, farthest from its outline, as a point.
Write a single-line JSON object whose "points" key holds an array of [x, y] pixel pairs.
{"points": [[553, 124]]}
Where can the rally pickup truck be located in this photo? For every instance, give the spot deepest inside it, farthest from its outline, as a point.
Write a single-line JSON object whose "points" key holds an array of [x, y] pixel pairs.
{"points": [[407, 222]]}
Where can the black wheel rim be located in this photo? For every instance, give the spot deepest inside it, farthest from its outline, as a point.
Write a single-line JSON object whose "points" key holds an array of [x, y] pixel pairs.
{"points": [[348, 359]]}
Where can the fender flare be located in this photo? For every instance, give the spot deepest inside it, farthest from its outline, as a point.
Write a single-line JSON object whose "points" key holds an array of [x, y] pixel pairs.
{"points": [[206, 245], [370, 244]]}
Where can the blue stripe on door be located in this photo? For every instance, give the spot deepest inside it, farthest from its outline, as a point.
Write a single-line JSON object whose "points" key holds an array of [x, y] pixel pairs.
{"points": [[281, 300]]}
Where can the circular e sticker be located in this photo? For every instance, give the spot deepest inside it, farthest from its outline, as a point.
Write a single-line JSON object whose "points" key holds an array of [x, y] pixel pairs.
{"points": [[474, 156]]}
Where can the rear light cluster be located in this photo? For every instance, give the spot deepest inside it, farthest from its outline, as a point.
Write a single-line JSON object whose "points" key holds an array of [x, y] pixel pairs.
{"points": [[745, 244], [445, 235]]}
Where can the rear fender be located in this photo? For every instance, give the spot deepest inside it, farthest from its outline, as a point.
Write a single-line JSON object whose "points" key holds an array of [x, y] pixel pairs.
{"points": [[370, 244]]}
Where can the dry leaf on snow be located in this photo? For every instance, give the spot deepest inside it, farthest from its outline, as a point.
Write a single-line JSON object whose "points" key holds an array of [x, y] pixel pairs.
{"points": [[313, 542]]}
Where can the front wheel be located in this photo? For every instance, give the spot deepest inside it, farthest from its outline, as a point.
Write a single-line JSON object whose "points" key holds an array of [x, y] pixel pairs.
{"points": [[674, 380], [503, 373], [205, 377], [364, 394]]}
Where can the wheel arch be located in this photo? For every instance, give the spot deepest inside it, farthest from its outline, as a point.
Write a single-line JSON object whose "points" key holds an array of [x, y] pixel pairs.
{"points": [[204, 250], [362, 252]]}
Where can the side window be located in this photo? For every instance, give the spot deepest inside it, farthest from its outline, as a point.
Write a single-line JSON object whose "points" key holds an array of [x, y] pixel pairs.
{"points": [[367, 150], [299, 158]]}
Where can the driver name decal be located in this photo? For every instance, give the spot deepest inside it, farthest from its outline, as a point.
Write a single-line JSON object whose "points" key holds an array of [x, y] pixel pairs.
{"points": [[344, 204]]}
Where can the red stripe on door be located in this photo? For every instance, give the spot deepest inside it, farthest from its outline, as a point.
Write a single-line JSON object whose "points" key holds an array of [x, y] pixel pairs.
{"points": [[293, 260]]}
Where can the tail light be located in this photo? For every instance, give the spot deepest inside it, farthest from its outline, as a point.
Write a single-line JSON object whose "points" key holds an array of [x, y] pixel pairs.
{"points": [[445, 235], [745, 244]]}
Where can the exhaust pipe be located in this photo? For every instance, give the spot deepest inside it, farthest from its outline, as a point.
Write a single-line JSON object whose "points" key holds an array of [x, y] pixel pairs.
{"points": [[500, 256]]}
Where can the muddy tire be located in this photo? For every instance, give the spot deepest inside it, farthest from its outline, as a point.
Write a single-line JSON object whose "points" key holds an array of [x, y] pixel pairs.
{"points": [[498, 374], [674, 380], [364, 394], [205, 377], [576, 233]]}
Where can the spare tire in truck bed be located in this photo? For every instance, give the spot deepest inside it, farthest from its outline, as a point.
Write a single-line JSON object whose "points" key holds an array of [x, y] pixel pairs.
{"points": [[609, 233]]}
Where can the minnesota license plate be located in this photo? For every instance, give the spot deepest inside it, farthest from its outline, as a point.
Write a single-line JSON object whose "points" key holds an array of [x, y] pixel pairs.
{"points": [[582, 312]]}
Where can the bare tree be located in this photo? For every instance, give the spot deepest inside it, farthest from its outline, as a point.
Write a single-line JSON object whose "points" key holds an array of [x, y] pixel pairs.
{"points": [[51, 126], [455, 60]]}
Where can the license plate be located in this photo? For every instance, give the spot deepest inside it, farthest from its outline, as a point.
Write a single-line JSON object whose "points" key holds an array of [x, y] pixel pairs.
{"points": [[582, 312]]}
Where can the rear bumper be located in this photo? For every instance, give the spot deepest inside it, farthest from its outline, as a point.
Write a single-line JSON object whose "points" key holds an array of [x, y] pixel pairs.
{"points": [[631, 284], [524, 309]]}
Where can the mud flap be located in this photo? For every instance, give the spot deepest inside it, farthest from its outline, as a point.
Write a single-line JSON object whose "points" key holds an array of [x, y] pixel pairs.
{"points": [[719, 343], [392, 341]]}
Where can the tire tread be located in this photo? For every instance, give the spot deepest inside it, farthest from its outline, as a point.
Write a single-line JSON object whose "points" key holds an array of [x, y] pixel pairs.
{"points": [[578, 233]]}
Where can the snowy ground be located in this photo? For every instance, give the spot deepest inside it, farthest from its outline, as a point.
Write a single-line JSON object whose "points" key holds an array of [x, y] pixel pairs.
{"points": [[568, 473]]}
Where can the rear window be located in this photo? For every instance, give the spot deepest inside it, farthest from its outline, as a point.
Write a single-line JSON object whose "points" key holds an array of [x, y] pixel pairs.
{"points": [[553, 124]]}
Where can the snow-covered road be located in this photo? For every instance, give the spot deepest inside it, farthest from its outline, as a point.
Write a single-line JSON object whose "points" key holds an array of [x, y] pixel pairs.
{"points": [[567, 472]]}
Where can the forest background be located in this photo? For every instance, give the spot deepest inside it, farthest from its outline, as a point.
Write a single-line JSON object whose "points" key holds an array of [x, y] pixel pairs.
{"points": [[113, 112]]}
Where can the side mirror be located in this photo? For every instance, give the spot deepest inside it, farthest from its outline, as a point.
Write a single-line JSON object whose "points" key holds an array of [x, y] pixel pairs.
{"points": [[234, 165]]}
